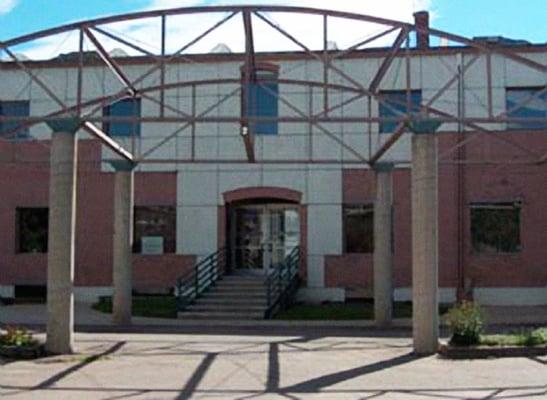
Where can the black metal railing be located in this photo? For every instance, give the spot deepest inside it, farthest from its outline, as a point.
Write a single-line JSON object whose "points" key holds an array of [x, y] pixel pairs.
{"points": [[282, 283], [204, 275]]}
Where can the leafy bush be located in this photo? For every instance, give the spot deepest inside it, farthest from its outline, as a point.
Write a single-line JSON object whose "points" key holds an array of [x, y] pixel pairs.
{"points": [[17, 336], [465, 320], [535, 338]]}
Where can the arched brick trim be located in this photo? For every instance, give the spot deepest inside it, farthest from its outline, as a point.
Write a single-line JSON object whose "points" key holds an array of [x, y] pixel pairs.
{"points": [[263, 192], [262, 66]]}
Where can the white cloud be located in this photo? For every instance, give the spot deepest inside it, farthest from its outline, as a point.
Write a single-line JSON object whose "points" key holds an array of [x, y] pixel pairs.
{"points": [[7, 5], [181, 29]]}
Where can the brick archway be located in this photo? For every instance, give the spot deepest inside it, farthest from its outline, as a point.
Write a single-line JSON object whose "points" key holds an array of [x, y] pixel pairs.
{"points": [[263, 192]]}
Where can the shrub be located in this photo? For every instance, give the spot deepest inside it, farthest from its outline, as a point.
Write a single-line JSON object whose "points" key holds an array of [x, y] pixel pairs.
{"points": [[17, 336], [535, 338], [465, 320]]}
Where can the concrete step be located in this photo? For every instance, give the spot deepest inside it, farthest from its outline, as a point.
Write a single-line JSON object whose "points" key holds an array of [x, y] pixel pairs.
{"points": [[234, 297], [213, 294], [243, 308], [243, 279], [251, 284], [237, 289], [231, 301], [247, 278], [220, 315]]}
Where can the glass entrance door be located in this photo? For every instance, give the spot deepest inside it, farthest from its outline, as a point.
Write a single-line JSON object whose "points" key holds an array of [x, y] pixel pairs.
{"points": [[263, 235]]}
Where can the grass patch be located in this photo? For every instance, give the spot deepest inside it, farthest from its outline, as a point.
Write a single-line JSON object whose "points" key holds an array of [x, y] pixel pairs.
{"points": [[353, 310], [144, 306], [529, 337]]}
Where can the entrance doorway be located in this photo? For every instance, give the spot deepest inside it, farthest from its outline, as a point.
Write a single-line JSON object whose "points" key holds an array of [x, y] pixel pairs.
{"points": [[262, 235]]}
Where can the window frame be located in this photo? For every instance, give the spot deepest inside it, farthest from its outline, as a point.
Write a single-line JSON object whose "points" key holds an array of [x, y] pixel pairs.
{"points": [[168, 248], [524, 125], [23, 133], [345, 206], [384, 94], [493, 205], [18, 241], [272, 74], [135, 127]]}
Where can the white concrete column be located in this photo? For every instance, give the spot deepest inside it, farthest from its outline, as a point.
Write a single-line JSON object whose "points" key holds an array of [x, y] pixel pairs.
{"points": [[61, 235], [122, 274], [383, 254], [425, 268]]}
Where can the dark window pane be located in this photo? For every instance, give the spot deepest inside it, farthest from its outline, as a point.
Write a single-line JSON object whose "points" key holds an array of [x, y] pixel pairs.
{"points": [[123, 108], [397, 100], [495, 228], [156, 221], [358, 229], [32, 227], [14, 109], [263, 102], [535, 107]]}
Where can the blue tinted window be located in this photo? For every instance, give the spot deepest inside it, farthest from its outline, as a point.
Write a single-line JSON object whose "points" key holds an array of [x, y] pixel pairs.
{"points": [[535, 107], [123, 108], [397, 100], [263, 103], [14, 109]]}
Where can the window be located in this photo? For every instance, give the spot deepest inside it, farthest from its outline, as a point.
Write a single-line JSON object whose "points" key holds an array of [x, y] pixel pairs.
{"points": [[495, 228], [123, 108], [534, 106], [155, 229], [263, 101], [32, 226], [358, 228], [397, 100], [14, 109]]}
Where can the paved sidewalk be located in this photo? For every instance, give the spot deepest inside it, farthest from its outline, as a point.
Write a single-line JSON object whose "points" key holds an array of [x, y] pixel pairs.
{"points": [[263, 365], [85, 316]]}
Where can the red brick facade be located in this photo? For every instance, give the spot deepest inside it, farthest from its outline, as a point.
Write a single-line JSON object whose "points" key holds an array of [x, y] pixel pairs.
{"points": [[482, 183], [24, 181], [25, 184]]}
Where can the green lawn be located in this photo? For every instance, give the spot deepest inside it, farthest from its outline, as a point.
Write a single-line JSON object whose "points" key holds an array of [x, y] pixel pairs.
{"points": [[165, 307], [144, 306], [529, 337], [345, 311]]}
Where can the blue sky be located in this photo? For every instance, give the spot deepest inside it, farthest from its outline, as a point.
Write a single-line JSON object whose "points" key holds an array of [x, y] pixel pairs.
{"points": [[524, 19]]}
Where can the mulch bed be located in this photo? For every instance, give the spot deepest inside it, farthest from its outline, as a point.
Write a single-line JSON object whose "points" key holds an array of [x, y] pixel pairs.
{"points": [[23, 352], [470, 352]]}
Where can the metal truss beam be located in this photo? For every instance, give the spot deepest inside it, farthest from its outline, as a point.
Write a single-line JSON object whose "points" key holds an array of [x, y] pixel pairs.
{"points": [[327, 58], [386, 63], [107, 141], [247, 131], [109, 61]]}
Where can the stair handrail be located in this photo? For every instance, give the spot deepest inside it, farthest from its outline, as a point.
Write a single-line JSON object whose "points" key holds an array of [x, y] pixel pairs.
{"points": [[200, 278], [282, 282]]}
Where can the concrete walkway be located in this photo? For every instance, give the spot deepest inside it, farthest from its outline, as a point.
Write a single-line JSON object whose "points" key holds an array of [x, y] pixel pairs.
{"points": [[262, 365], [85, 316]]}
